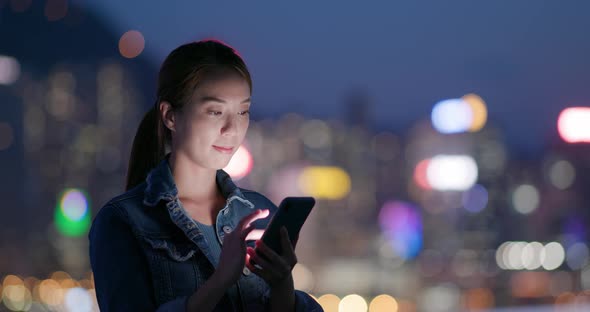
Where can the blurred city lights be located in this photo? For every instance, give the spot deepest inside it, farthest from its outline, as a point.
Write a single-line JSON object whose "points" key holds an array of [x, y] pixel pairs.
{"points": [[573, 124], [420, 174], [562, 174], [475, 199], [585, 278], [552, 256], [72, 213], [451, 172], [525, 198], [329, 302], [131, 44], [478, 109], [452, 116], [9, 70], [529, 256], [440, 298], [56, 9], [77, 299], [515, 252], [240, 164], [324, 182], [352, 303], [577, 256], [61, 100], [383, 303], [530, 284], [6, 135], [401, 225], [478, 299], [316, 134]]}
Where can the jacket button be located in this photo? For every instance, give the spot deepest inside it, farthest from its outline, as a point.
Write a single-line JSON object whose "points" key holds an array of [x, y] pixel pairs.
{"points": [[227, 229], [246, 271]]}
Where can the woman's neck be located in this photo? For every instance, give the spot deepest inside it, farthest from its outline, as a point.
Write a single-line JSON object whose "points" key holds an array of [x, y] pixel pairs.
{"points": [[197, 188]]}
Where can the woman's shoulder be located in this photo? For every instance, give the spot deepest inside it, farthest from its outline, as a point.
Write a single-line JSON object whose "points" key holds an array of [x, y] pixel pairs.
{"points": [[119, 205]]}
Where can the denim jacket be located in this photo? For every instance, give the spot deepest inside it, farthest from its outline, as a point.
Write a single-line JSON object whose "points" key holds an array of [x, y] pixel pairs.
{"points": [[147, 254]]}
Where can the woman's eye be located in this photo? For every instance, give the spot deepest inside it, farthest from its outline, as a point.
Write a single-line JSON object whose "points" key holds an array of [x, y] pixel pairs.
{"points": [[214, 113], [244, 113]]}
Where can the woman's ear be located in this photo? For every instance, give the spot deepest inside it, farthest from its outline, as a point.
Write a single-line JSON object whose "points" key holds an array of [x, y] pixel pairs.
{"points": [[167, 114]]}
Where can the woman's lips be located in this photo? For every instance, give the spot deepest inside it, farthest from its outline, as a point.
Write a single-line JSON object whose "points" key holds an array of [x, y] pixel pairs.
{"points": [[225, 150]]}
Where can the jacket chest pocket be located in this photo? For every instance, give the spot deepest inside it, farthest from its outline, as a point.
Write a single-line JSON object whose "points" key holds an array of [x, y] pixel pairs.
{"points": [[177, 267]]}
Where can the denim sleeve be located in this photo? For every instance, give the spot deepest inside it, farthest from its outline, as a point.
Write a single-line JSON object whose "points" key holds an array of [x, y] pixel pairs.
{"points": [[121, 272], [303, 302]]}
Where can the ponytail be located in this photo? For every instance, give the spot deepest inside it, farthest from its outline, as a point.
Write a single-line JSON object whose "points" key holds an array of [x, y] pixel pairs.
{"points": [[148, 149]]}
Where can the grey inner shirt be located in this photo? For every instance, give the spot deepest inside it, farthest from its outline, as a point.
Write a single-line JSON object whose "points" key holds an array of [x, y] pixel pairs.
{"points": [[211, 237]]}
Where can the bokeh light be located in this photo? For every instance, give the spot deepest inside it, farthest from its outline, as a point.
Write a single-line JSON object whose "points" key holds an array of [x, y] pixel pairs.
{"points": [[529, 284], [329, 302], [525, 198], [475, 199], [9, 70], [585, 278], [383, 303], [552, 256], [316, 134], [324, 182], [562, 174], [240, 164], [478, 299], [72, 213], [131, 44], [478, 109], [420, 174], [452, 116], [573, 124], [531, 255], [451, 172], [77, 299], [440, 298], [577, 255], [401, 225], [352, 303]]}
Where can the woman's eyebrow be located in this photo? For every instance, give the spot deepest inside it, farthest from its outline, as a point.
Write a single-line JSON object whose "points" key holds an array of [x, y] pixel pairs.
{"points": [[218, 100]]}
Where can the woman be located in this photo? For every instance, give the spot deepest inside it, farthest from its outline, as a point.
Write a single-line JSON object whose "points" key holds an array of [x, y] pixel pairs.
{"points": [[182, 236]]}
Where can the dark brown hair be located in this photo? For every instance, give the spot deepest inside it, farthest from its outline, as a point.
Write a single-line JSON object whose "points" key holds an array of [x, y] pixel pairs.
{"points": [[180, 74]]}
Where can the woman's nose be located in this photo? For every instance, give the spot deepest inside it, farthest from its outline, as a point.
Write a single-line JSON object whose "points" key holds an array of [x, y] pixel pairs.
{"points": [[229, 126]]}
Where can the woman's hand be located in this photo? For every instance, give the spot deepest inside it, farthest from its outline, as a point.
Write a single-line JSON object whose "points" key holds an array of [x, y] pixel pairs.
{"points": [[273, 268], [233, 251]]}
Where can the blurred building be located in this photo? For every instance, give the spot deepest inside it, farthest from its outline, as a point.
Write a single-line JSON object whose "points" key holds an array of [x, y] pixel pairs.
{"points": [[73, 110]]}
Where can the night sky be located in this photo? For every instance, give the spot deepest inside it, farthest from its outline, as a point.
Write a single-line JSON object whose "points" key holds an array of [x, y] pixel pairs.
{"points": [[527, 59]]}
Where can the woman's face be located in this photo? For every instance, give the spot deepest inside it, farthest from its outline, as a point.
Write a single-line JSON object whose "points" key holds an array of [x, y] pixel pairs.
{"points": [[212, 126]]}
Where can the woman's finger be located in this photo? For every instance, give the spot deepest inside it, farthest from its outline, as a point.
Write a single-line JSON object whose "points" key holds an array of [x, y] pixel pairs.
{"points": [[255, 235], [245, 232], [256, 269], [263, 263], [257, 214], [270, 254]]}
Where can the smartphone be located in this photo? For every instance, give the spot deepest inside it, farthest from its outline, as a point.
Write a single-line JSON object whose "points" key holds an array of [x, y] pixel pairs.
{"points": [[292, 213]]}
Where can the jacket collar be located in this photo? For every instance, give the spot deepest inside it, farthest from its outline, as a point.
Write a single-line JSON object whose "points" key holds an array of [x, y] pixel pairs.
{"points": [[161, 186]]}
